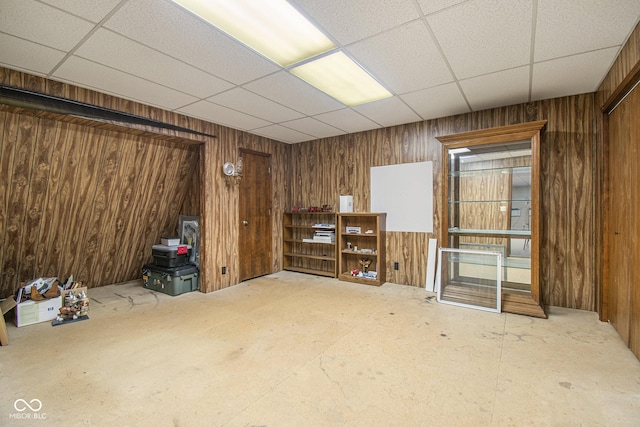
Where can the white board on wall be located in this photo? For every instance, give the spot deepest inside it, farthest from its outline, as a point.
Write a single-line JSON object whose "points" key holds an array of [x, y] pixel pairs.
{"points": [[405, 193]]}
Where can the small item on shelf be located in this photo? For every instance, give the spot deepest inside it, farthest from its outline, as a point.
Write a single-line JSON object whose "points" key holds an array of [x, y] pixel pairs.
{"points": [[349, 246], [353, 230], [355, 272], [365, 263], [368, 232]]}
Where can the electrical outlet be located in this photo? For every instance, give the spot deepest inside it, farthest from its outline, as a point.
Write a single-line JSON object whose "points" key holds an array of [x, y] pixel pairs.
{"points": [[396, 266], [224, 270]]}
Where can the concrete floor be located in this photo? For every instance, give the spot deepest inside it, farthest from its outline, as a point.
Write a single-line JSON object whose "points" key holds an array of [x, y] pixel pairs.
{"points": [[298, 350]]}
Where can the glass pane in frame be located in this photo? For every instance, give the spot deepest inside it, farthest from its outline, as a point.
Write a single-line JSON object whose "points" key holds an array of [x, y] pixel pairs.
{"points": [[470, 278]]}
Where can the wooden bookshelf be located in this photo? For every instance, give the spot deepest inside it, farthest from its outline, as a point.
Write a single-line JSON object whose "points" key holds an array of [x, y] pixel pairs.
{"points": [[300, 252], [368, 244]]}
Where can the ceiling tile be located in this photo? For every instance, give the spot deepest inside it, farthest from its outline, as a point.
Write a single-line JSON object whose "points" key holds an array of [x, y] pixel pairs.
{"points": [[289, 90], [347, 120], [571, 75], [107, 80], [283, 134], [224, 116], [94, 11], [170, 29], [435, 102], [28, 56], [311, 126], [480, 37], [582, 25], [349, 21], [497, 89], [405, 58], [116, 51], [47, 25], [432, 6], [248, 102], [388, 112]]}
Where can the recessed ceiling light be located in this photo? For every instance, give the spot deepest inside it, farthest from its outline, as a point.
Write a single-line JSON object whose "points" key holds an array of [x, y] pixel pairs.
{"points": [[273, 28], [342, 78]]}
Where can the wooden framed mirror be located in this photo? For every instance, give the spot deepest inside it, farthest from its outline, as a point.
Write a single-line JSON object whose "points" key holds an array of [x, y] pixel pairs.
{"points": [[491, 199]]}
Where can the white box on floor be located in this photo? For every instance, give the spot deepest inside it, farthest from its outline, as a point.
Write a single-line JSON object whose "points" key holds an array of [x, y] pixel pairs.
{"points": [[30, 312], [346, 204]]}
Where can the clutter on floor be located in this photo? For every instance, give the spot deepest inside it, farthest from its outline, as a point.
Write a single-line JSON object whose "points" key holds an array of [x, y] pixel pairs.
{"points": [[172, 272], [75, 306], [41, 300]]}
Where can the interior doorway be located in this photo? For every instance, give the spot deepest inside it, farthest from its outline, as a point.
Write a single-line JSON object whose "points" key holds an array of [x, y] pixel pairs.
{"points": [[255, 238]]}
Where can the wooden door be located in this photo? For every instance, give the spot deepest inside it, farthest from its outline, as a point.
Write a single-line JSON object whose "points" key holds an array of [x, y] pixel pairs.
{"points": [[254, 236], [624, 209], [619, 220]]}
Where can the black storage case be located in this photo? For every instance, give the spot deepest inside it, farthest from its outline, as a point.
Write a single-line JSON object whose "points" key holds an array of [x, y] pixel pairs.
{"points": [[167, 256], [171, 281]]}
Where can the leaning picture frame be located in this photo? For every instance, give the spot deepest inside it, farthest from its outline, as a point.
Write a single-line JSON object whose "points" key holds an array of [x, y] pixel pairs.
{"points": [[189, 229]]}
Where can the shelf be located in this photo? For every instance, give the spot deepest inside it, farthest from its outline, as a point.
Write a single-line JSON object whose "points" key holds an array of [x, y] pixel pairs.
{"points": [[308, 227], [347, 277], [309, 256], [347, 251], [457, 202], [310, 271], [349, 259], [310, 243], [490, 233], [300, 252], [524, 170]]}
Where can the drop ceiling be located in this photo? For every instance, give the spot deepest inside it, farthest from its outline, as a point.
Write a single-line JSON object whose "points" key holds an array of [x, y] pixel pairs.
{"points": [[437, 57]]}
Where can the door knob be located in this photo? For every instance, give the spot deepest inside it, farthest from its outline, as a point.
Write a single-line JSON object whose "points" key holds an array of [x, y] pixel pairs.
{"points": [[245, 222]]}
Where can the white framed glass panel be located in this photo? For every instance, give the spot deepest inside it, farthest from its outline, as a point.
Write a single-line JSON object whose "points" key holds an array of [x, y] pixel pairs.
{"points": [[470, 278]]}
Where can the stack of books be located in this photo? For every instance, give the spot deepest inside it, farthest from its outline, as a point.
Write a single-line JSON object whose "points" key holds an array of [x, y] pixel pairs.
{"points": [[324, 236], [325, 233]]}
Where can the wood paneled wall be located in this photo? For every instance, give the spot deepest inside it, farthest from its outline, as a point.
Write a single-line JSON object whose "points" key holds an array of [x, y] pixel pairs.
{"points": [[84, 201], [90, 200], [340, 165]]}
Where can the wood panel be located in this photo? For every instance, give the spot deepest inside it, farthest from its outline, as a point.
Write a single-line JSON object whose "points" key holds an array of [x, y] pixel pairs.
{"points": [[567, 277], [581, 215], [76, 200], [634, 139], [111, 191], [624, 69]]}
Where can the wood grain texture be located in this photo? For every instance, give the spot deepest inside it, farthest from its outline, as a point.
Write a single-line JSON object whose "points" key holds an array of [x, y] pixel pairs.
{"points": [[634, 323], [340, 165], [112, 190], [311, 173], [626, 60], [613, 86], [80, 201]]}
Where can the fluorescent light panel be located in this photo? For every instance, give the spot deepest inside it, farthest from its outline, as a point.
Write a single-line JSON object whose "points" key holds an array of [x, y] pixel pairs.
{"points": [[340, 77], [276, 30], [273, 28]]}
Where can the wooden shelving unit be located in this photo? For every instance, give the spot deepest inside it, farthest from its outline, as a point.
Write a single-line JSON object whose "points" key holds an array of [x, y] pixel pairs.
{"points": [[368, 244], [490, 172], [309, 257]]}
